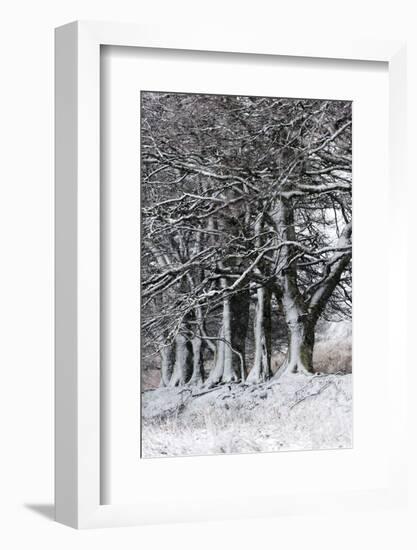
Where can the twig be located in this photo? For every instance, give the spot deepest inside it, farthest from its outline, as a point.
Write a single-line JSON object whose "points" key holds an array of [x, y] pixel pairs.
{"points": [[325, 386], [208, 391]]}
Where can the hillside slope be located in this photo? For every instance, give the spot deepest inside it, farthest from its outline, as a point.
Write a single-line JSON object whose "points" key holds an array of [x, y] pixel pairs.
{"points": [[294, 413]]}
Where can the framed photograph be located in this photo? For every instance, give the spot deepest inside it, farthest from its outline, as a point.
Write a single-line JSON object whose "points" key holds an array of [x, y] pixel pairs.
{"points": [[227, 321]]}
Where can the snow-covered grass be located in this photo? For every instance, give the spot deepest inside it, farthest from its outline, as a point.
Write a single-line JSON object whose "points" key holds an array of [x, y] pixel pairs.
{"points": [[296, 412]]}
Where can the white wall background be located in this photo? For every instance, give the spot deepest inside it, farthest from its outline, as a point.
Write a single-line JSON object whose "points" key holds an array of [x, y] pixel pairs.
{"points": [[26, 272]]}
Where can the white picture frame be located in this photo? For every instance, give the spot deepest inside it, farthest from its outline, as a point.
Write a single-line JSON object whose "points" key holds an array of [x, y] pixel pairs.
{"points": [[78, 450]]}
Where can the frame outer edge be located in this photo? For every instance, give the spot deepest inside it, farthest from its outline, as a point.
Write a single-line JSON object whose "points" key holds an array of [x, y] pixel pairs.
{"points": [[77, 239], [66, 345], [88, 275]]}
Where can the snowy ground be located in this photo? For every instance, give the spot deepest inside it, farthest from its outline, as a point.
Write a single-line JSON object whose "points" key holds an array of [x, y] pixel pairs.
{"points": [[293, 413]]}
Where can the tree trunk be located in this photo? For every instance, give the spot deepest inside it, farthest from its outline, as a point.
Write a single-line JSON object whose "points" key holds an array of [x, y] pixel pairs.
{"points": [[300, 324], [230, 360], [167, 363], [230, 353], [217, 371], [239, 309], [183, 367], [230, 373], [301, 315], [198, 366], [300, 346], [261, 370], [197, 376], [300, 327]]}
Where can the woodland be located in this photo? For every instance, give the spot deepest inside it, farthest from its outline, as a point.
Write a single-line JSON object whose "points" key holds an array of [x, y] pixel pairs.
{"points": [[246, 234]]}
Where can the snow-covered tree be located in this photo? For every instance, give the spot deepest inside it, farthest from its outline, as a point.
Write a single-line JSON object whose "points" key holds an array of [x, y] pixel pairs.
{"points": [[246, 211]]}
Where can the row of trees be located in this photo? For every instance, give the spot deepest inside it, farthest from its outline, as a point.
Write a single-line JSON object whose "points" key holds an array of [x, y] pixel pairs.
{"points": [[246, 211]]}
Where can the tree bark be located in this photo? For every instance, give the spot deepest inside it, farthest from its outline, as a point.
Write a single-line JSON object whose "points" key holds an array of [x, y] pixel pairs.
{"points": [[300, 327], [197, 376], [230, 372], [183, 361], [239, 308], [300, 346], [261, 370], [230, 354], [217, 371], [167, 354]]}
